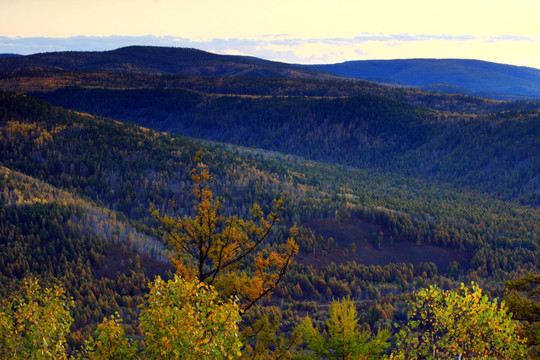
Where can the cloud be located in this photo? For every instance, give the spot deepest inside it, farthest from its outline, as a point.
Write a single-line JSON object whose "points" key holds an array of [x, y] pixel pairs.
{"points": [[31, 45], [531, 39]]}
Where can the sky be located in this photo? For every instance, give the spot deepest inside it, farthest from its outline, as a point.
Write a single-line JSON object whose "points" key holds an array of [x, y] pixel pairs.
{"points": [[293, 31]]}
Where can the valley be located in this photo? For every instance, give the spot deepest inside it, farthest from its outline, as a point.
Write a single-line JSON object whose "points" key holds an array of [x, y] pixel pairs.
{"points": [[392, 189], [367, 250]]}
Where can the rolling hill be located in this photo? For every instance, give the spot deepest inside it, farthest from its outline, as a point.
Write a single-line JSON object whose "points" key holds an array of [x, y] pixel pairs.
{"points": [[49, 81], [76, 189], [473, 77], [393, 189], [125, 168], [158, 60], [366, 131], [355, 123]]}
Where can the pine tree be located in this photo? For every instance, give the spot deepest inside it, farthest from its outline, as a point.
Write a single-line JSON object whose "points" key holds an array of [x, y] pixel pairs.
{"points": [[342, 338]]}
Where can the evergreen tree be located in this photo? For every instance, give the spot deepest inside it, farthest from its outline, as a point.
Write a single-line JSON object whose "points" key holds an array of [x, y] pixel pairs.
{"points": [[342, 338]]}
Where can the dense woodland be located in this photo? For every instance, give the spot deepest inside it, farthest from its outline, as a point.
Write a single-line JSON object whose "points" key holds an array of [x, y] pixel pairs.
{"points": [[390, 194], [350, 123]]}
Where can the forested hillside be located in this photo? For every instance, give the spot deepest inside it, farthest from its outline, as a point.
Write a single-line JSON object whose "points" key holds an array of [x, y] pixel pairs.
{"points": [[392, 190], [355, 123], [157, 60], [473, 77], [366, 131], [46, 81], [126, 168]]}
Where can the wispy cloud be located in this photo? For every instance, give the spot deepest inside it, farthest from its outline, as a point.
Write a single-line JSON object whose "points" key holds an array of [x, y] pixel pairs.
{"points": [[500, 38], [31, 45]]}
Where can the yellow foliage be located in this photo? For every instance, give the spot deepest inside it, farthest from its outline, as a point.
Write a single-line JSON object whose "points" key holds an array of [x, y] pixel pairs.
{"points": [[227, 251]]}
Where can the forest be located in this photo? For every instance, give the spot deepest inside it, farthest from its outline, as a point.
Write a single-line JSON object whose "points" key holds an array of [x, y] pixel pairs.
{"points": [[367, 204]]}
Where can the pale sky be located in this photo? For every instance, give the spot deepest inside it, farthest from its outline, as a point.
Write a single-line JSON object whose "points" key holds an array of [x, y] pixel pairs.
{"points": [[299, 31]]}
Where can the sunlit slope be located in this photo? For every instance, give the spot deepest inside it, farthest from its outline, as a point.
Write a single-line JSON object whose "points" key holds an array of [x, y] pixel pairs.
{"points": [[494, 153], [126, 168]]}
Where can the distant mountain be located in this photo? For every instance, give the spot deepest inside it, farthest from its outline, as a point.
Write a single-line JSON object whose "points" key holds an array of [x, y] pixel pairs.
{"points": [[472, 77], [48, 81], [161, 60]]}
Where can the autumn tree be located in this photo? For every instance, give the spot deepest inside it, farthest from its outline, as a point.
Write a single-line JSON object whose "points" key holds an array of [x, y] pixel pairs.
{"points": [[188, 320], [227, 252], [35, 324], [342, 338], [180, 320], [462, 324]]}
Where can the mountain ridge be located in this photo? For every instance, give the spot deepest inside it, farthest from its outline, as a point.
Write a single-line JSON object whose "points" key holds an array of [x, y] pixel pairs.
{"points": [[365, 131], [367, 126], [463, 76], [159, 60], [472, 77]]}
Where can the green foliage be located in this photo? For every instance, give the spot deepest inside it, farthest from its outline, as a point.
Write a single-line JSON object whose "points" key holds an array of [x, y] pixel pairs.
{"points": [[523, 299], [181, 320], [110, 342], [55, 234], [188, 320], [126, 168], [463, 323], [265, 341], [35, 324], [342, 338], [362, 130]]}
